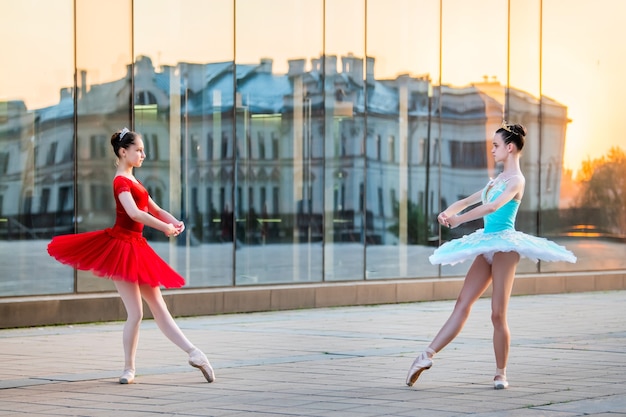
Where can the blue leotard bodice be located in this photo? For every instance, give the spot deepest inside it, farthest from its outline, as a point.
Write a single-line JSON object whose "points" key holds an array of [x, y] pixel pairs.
{"points": [[504, 217]]}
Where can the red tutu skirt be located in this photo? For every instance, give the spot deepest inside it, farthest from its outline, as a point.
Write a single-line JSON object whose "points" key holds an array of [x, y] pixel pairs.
{"points": [[115, 253]]}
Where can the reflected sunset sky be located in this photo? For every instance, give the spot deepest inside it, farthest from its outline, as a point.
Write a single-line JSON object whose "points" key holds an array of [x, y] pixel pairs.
{"points": [[582, 66]]}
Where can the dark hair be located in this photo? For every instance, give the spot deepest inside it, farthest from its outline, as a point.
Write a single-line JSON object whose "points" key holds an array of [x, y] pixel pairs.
{"points": [[515, 133], [123, 139]]}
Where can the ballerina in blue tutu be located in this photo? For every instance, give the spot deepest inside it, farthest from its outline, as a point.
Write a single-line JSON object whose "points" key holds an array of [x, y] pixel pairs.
{"points": [[496, 250]]}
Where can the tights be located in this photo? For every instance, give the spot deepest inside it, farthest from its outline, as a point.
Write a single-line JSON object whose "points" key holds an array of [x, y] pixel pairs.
{"points": [[131, 294], [500, 274]]}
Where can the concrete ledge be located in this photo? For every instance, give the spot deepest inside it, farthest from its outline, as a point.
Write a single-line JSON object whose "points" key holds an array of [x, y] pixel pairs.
{"points": [[96, 307]]}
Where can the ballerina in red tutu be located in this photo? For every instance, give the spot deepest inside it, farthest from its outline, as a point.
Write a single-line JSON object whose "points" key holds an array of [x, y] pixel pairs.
{"points": [[122, 254]]}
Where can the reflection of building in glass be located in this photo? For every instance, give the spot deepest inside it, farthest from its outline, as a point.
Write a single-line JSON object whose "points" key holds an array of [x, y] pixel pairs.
{"points": [[311, 154]]}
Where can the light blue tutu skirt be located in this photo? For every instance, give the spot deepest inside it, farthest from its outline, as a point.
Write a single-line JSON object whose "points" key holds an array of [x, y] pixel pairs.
{"points": [[470, 246]]}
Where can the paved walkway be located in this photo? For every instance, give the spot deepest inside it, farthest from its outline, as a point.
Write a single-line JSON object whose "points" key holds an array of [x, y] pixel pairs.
{"points": [[568, 358]]}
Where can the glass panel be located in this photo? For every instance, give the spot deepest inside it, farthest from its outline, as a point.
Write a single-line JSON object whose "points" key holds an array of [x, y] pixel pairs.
{"points": [[584, 72], [103, 60], [183, 108], [279, 133], [522, 105], [344, 150], [474, 66], [36, 144], [403, 59]]}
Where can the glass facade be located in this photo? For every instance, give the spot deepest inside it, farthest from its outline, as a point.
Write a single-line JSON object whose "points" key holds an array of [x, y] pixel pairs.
{"points": [[306, 141]]}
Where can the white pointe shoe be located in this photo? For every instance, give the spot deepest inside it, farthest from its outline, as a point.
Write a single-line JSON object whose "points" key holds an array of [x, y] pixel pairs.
{"points": [[500, 382], [197, 359], [128, 376], [422, 363]]}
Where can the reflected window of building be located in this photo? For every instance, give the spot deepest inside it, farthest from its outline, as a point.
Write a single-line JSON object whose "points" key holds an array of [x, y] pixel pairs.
{"points": [[155, 152], [209, 203], [431, 199], [144, 98], [194, 146], [339, 198], [209, 147], [392, 148], [421, 156], [222, 198], [361, 197], [27, 203], [261, 139], [276, 200], [249, 148], [44, 200], [224, 146], [381, 202], [33, 162], [275, 146], [155, 192], [158, 193], [52, 153], [263, 196], [81, 202], [101, 196], [194, 201], [151, 143], [68, 153], [97, 146], [239, 201], [468, 154], [65, 200], [549, 178], [4, 162]]}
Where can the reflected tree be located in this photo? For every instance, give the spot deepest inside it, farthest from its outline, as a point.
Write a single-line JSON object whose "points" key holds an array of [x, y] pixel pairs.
{"points": [[603, 187], [416, 234]]}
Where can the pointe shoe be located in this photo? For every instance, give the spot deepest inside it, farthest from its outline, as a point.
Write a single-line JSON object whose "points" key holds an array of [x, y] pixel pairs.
{"points": [[197, 359], [128, 376], [500, 382], [422, 363]]}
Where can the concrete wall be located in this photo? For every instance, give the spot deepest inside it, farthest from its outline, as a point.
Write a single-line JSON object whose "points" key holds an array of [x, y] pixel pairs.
{"points": [[83, 308]]}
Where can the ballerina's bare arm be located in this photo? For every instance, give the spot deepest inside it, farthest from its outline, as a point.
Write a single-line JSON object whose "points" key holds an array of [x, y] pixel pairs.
{"points": [[514, 189], [126, 199], [456, 207], [164, 215]]}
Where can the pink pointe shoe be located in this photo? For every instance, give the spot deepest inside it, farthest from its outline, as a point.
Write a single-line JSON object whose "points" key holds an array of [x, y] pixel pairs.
{"points": [[197, 359], [422, 363]]}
